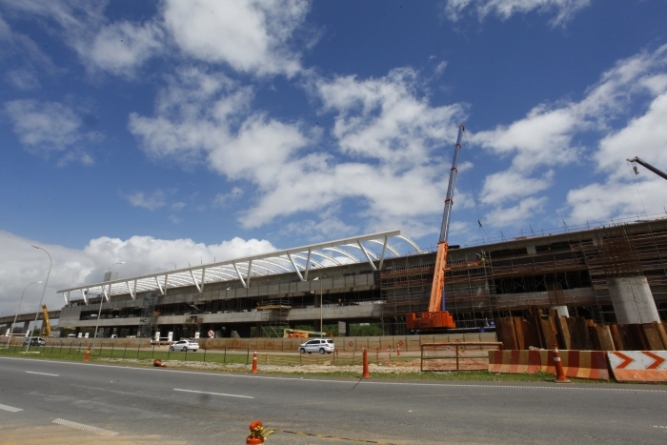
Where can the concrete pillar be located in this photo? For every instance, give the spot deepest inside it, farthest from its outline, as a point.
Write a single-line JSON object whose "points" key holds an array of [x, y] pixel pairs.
{"points": [[562, 310], [633, 300]]}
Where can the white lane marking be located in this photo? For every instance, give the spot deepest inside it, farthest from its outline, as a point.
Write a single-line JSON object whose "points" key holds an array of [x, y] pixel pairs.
{"points": [[11, 409], [42, 373], [350, 380], [214, 393], [661, 427], [83, 427]]}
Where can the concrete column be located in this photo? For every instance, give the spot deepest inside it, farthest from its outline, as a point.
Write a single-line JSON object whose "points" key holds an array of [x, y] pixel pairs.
{"points": [[633, 300]]}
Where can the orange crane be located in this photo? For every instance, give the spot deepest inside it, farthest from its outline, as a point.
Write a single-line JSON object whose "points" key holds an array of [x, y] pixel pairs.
{"points": [[437, 318]]}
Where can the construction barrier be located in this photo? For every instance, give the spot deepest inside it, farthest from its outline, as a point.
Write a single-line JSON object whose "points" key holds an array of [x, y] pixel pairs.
{"points": [[590, 365], [638, 366]]}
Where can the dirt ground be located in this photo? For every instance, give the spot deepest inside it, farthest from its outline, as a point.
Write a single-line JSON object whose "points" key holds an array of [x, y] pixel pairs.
{"points": [[59, 435], [388, 367]]}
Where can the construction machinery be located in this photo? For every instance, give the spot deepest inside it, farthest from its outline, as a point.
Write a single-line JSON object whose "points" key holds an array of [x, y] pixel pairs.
{"points": [[437, 318], [646, 165], [46, 326], [296, 333]]}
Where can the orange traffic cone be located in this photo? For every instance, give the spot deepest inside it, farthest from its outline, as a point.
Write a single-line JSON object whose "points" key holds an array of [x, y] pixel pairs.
{"points": [[560, 373], [254, 365], [158, 363], [86, 358], [257, 433], [366, 374]]}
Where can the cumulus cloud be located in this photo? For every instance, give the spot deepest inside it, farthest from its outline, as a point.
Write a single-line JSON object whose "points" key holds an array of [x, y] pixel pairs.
{"points": [[118, 48], [387, 165], [47, 127], [548, 137], [386, 118], [151, 201], [122, 46], [563, 10], [20, 264], [250, 36]]}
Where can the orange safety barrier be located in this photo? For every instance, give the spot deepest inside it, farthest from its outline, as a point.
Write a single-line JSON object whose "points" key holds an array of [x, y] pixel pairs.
{"points": [[365, 374], [87, 356], [580, 364], [638, 366]]}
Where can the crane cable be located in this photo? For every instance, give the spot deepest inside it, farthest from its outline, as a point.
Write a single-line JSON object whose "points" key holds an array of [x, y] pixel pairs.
{"points": [[633, 173], [473, 182]]}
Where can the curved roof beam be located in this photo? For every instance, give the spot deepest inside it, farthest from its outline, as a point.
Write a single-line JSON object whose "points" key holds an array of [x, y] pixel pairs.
{"points": [[409, 241], [387, 245], [344, 253], [222, 271]]}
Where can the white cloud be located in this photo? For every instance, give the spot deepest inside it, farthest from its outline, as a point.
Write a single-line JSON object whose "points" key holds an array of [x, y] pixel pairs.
{"points": [[509, 185], [122, 46], [44, 128], [564, 9], [385, 118], [24, 80], [118, 48], [21, 265], [400, 143], [152, 201], [251, 35], [644, 136], [521, 212], [600, 202], [546, 137], [223, 199]]}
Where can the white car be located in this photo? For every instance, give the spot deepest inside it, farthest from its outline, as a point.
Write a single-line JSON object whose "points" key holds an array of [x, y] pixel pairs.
{"points": [[185, 345], [320, 345]]}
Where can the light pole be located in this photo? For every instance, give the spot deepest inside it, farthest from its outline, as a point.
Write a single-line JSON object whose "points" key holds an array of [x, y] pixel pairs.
{"points": [[11, 328], [43, 290], [99, 312]]}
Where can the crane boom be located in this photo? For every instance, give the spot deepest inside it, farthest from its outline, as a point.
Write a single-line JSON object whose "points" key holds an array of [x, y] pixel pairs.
{"points": [[449, 200], [648, 166], [437, 317]]}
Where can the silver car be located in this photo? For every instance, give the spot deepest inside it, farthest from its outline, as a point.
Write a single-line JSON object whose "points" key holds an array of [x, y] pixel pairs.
{"points": [[320, 345], [185, 345]]}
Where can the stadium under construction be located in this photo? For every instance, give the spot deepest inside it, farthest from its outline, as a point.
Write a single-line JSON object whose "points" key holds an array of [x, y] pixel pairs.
{"points": [[365, 280]]}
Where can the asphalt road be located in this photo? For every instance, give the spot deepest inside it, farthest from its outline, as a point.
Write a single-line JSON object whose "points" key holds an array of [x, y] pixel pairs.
{"points": [[65, 403]]}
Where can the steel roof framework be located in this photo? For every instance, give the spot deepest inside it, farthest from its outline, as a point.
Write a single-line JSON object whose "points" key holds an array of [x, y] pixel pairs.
{"points": [[298, 260]]}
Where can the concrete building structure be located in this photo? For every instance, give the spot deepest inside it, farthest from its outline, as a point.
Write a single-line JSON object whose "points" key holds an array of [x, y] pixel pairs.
{"points": [[609, 274]]}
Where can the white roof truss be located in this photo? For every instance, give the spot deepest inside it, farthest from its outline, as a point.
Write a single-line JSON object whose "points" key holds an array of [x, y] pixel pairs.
{"points": [[298, 260]]}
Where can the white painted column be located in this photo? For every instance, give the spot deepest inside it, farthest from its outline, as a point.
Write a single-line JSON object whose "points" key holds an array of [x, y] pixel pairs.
{"points": [[633, 300]]}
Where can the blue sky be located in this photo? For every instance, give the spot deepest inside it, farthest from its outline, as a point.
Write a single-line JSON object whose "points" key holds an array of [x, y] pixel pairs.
{"points": [[172, 132]]}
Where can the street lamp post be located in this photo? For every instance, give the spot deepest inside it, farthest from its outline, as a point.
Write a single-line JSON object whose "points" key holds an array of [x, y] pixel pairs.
{"points": [[43, 290], [99, 312], [11, 328]]}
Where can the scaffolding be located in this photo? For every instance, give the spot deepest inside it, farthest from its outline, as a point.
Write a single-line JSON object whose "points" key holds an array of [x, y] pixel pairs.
{"points": [[148, 315], [274, 317]]}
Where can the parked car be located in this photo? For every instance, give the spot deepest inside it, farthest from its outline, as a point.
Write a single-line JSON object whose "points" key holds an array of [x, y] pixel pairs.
{"points": [[185, 345], [35, 341], [320, 345]]}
